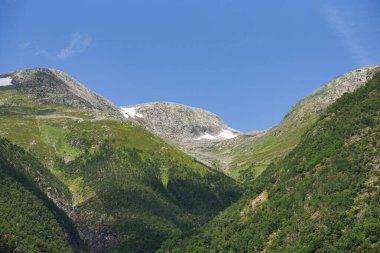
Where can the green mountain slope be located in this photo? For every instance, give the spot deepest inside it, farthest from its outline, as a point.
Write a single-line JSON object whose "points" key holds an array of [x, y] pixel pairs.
{"points": [[323, 197], [29, 220], [124, 188], [136, 190], [245, 157]]}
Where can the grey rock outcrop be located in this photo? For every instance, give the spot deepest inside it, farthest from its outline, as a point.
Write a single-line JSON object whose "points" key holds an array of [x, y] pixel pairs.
{"points": [[54, 86]]}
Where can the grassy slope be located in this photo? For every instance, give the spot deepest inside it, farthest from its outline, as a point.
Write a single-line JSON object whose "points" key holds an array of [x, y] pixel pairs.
{"points": [[29, 221], [130, 190], [246, 157], [323, 197], [253, 157]]}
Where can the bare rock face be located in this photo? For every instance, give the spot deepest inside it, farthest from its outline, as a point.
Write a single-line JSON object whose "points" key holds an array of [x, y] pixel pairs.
{"points": [[54, 86], [180, 123]]}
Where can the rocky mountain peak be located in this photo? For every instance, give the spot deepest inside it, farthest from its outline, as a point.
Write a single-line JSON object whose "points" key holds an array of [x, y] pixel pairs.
{"points": [[54, 86], [179, 123]]}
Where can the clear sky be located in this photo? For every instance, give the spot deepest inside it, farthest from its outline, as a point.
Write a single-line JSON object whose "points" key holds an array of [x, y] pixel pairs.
{"points": [[247, 61]]}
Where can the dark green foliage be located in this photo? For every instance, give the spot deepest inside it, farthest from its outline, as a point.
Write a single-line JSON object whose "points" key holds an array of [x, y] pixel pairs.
{"points": [[30, 167], [29, 221], [323, 197], [144, 198]]}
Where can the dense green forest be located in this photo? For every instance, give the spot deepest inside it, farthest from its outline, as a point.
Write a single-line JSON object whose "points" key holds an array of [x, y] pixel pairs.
{"points": [[29, 220], [324, 196], [145, 197]]}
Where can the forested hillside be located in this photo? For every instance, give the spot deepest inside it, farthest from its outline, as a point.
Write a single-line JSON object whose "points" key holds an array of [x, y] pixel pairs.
{"points": [[132, 191], [29, 220], [323, 197]]}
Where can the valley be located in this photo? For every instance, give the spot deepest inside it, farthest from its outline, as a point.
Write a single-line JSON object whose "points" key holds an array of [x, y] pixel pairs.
{"points": [[167, 177]]}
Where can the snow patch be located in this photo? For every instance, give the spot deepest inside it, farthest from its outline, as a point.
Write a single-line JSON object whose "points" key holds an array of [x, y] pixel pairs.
{"points": [[131, 112], [224, 134], [206, 136], [227, 134], [6, 81]]}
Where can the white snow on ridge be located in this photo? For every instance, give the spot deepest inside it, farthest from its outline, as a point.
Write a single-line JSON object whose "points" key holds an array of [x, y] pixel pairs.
{"points": [[206, 136], [131, 112], [227, 134], [6, 81]]}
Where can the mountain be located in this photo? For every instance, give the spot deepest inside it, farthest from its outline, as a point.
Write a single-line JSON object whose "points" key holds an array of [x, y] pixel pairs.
{"points": [[246, 156], [124, 189], [322, 197], [186, 127], [180, 123], [79, 174], [53, 86]]}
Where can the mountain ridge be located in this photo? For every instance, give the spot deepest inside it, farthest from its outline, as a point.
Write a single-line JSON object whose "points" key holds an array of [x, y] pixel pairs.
{"points": [[203, 134], [247, 156], [125, 188], [58, 87], [229, 154], [180, 122]]}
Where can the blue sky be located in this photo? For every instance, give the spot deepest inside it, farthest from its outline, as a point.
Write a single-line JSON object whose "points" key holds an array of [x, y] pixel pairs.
{"points": [[247, 61]]}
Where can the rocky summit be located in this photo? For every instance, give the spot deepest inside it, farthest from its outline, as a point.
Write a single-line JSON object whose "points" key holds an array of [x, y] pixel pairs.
{"points": [[180, 123], [54, 86]]}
